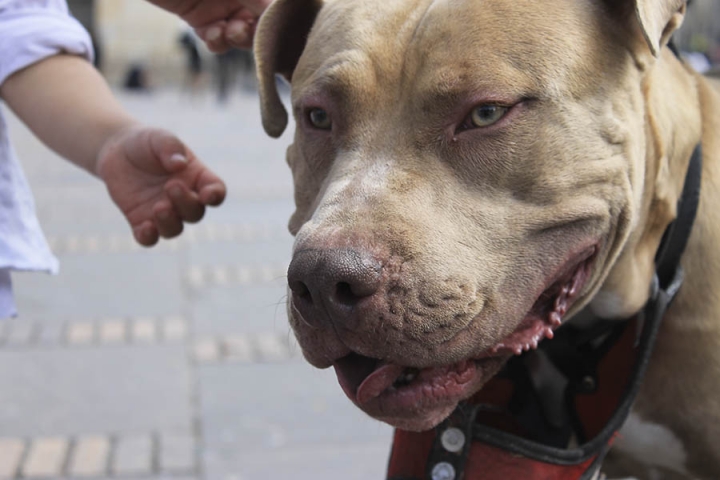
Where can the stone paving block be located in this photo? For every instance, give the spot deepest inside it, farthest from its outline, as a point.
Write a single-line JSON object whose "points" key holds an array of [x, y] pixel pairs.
{"points": [[206, 350], [190, 234], [89, 457], [174, 329], [51, 334], [253, 253], [112, 331], [272, 348], [80, 333], [158, 477], [45, 457], [237, 348], [271, 273], [11, 451], [54, 244], [92, 244], [177, 453], [21, 333], [73, 244], [239, 275], [133, 455], [196, 277], [86, 288], [244, 275], [220, 275], [354, 461], [262, 407], [143, 330], [220, 311], [123, 243], [75, 391], [278, 421]]}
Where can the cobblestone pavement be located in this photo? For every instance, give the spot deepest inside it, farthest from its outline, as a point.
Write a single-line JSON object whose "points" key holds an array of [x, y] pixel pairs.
{"points": [[174, 362]]}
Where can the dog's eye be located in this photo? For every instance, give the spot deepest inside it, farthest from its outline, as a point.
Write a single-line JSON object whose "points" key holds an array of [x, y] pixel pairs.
{"points": [[486, 115], [319, 119]]}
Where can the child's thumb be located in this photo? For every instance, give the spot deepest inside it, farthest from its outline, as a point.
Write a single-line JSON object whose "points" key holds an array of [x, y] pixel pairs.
{"points": [[171, 152]]}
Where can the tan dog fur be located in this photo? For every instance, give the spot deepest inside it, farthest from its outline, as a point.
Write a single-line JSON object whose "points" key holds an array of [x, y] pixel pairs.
{"points": [[471, 224]]}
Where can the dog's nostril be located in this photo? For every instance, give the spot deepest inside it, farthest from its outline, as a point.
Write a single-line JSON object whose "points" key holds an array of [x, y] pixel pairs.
{"points": [[301, 290], [344, 294], [331, 283]]}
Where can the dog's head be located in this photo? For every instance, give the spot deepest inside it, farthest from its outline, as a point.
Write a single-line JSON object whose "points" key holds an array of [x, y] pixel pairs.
{"points": [[468, 174]]}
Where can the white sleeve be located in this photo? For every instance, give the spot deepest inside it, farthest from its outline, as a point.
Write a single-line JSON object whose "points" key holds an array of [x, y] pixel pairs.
{"points": [[31, 30]]}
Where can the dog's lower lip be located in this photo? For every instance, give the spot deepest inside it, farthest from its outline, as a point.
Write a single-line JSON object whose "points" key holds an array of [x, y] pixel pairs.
{"points": [[388, 379]]}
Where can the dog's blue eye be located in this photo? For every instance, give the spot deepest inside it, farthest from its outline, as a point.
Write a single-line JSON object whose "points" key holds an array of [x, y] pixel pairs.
{"points": [[486, 115], [320, 119]]}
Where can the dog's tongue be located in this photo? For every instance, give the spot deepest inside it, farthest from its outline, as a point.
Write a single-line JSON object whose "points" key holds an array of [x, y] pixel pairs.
{"points": [[377, 382], [360, 388]]}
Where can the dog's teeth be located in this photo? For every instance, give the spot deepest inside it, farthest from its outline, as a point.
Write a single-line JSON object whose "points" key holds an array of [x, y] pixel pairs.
{"points": [[406, 377], [555, 319], [573, 288], [549, 333]]}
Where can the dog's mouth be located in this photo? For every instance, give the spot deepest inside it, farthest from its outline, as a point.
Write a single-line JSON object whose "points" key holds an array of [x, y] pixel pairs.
{"points": [[417, 398]]}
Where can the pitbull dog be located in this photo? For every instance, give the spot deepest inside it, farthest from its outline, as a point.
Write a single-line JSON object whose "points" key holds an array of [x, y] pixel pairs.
{"points": [[471, 174]]}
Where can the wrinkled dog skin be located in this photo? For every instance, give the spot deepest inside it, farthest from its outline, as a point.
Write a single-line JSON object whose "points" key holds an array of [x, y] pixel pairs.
{"points": [[471, 174]]}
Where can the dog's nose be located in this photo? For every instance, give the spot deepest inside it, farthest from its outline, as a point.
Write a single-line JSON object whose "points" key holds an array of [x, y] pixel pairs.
{"points": [[331, 282]]}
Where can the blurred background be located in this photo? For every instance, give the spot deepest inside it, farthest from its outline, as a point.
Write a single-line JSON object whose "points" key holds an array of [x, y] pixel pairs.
{"points": [[177, 362]]}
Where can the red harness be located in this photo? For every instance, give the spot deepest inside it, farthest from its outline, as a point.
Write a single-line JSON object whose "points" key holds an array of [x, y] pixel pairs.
{"points": [[501, 427], [519, 425]]}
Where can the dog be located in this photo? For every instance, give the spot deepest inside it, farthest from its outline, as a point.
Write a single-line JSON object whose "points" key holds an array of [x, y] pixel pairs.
{"points": [[470, 175]]}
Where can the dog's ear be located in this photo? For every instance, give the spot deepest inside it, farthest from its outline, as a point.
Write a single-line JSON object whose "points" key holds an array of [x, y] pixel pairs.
{"points": [[655, 19], [658, 20], [279, 42]]}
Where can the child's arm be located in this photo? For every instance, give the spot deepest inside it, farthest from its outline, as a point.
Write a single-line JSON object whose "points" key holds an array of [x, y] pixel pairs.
{"points": [[153, 178], [68, 105]]}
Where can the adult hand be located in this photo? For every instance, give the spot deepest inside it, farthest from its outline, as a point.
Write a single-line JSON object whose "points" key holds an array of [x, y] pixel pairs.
{"points": [[222, 24]]}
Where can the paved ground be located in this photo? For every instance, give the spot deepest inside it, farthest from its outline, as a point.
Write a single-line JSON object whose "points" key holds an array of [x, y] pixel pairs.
{"points": [[174, 362]]}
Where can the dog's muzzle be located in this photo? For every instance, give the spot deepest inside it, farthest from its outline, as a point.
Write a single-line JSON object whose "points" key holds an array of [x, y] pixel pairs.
{"points": [[577, 388]]}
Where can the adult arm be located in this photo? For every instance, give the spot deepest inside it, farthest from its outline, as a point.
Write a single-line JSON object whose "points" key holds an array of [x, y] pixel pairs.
{"points": [[222, 24]]}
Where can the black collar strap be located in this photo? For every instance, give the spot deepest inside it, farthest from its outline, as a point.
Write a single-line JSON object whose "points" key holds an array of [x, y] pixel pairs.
{"points": [[602, 369], [673, 244]]}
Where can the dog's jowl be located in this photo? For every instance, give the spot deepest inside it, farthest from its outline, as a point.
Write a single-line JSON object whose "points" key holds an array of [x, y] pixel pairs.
{"points": [[474, 176]]}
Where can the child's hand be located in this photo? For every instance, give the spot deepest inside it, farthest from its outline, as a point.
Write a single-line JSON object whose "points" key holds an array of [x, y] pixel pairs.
{"points": [[157, 182]]}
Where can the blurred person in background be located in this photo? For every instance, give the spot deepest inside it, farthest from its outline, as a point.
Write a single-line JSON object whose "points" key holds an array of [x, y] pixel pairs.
{"points": [[193, 61], [232, 66], [48, 80]]}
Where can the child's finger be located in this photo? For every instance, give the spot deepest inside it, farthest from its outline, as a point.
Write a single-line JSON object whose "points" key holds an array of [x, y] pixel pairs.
{"points": [[213, 194], [168, 222], [146, 234], [155, 151], [210, 188], [172, 153], [186, 203]]}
